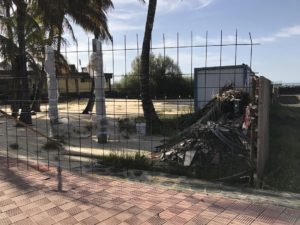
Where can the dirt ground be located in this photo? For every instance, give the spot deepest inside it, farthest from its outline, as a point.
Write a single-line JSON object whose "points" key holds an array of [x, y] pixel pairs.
{"points": [[78, 132]]}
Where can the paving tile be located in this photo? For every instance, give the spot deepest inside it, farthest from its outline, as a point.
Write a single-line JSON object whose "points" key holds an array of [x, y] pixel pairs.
{"points": [[133, 221], [74, 210], [243, 219], [54, 211], [82, 216], [134, 210], [110, 221], [47, 221], [111, 201], [123, 216], [26, 221], [68, 221], [13, 212], [60, 216], [89, 221], [155, 209], [177, 220], [104, 214], [200, 220], [155, 220], [5, 221], [145, 215]]}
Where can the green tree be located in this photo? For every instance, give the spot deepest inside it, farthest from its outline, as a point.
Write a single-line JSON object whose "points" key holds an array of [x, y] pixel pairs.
{"points": [[165, 79], [148, 107], [51, 16]]}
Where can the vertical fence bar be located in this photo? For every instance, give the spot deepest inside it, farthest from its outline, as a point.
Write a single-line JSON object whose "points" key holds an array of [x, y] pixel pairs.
{"points": [[251, 50], [205, 70], [235, 56], [7, 142], [191, 77], [221, 53]]}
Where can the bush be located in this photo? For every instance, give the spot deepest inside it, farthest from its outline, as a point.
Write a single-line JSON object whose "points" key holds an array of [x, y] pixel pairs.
{"points": [[166, 79]]}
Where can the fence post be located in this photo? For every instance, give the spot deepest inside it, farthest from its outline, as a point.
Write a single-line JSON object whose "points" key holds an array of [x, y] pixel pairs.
{"points": [[52, 87], [263, 127], [97, 65]]}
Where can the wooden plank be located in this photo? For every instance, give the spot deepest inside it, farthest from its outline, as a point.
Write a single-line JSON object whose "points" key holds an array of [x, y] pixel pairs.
{"points": [[263, 128]]}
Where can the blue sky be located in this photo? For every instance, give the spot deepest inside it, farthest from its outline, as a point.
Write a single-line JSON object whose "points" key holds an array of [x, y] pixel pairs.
{"points": [[275, 24]]}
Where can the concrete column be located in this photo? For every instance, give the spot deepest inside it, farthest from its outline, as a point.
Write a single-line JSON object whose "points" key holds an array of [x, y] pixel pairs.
{"points": [[97, 64], [52, 86]]}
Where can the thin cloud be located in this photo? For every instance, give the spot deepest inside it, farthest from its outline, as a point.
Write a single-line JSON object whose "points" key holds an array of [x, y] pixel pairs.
{"points": [[204, 3], [289, 32], [122, 14], [118, 26], [168, 6]]}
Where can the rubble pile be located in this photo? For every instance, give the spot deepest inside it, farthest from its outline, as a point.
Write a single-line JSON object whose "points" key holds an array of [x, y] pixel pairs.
{"points": [[207, 144], [216, 138]]}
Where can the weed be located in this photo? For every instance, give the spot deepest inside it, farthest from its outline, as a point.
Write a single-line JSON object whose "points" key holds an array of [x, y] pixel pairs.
{"points": [[283, 163], [136, 161], [127, 126], [14, 146], [51, 145]]}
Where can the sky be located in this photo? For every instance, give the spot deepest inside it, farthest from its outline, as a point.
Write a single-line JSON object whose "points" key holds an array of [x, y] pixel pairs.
{"points": [[273, 24]]}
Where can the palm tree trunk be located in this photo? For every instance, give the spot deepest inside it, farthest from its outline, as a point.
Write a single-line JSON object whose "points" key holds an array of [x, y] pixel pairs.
{"points": [[148, 107], [15, 104], [91, 102], [36, 104], [21, 17], [90, 105]]}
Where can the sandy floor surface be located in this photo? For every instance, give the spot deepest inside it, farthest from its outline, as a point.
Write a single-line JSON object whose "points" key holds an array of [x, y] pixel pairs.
{"points": [[78, 133]]}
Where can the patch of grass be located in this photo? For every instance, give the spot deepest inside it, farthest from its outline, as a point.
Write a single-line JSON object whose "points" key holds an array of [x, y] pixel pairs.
{"points": [[282, 171], [51, 145], [136, 161], [127, 126], [14, 146], [173, 124]]}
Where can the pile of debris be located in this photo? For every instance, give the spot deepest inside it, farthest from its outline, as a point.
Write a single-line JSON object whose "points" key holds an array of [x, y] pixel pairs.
{"points": [[216, 138], [207, 144]]}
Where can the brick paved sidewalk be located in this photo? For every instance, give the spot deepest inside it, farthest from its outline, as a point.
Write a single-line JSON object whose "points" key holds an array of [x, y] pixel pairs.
{"points": [[32, 197]]}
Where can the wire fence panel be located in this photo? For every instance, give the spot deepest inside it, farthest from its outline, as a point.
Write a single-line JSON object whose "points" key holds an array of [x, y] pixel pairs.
{"points": [[184, 79]]}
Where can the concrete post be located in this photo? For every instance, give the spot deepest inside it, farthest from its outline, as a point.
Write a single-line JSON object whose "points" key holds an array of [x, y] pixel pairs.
{"points": [[97, 64], [52, 87]]}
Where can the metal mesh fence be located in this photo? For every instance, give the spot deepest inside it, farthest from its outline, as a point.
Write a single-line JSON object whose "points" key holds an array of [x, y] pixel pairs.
{"points": [[178, 104]]}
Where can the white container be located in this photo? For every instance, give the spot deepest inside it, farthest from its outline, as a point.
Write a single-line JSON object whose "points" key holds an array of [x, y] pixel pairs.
{"points": [[140, 129]]}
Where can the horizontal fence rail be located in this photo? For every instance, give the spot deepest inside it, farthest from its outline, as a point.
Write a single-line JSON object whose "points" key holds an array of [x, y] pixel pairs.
{"points": [[177, 92]]}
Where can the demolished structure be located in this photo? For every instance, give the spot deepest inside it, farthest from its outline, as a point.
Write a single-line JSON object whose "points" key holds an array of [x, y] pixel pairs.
{"points": [[218, 139]]}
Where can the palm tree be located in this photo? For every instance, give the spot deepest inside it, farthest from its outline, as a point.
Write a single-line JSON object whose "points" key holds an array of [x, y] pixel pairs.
{"points": [[21, 7], [10, 51], [91, 102], [148, 107], [89, 14]]}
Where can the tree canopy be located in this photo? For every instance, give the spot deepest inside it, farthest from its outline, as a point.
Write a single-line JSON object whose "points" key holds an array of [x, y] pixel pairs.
{"points": [[166, 79]]}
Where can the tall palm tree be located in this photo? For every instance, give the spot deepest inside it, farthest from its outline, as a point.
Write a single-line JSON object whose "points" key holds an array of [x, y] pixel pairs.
{"points": [[148, 107], [10, 51], [91, 102], [89, 14], [21, 7]]}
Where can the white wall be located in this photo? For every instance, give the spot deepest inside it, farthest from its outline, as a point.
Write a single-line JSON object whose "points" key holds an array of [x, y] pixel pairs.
{"points": [[209, 81]]}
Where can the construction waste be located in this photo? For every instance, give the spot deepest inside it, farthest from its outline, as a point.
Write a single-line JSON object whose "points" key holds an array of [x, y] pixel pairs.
{"points": [[218, 137]]}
